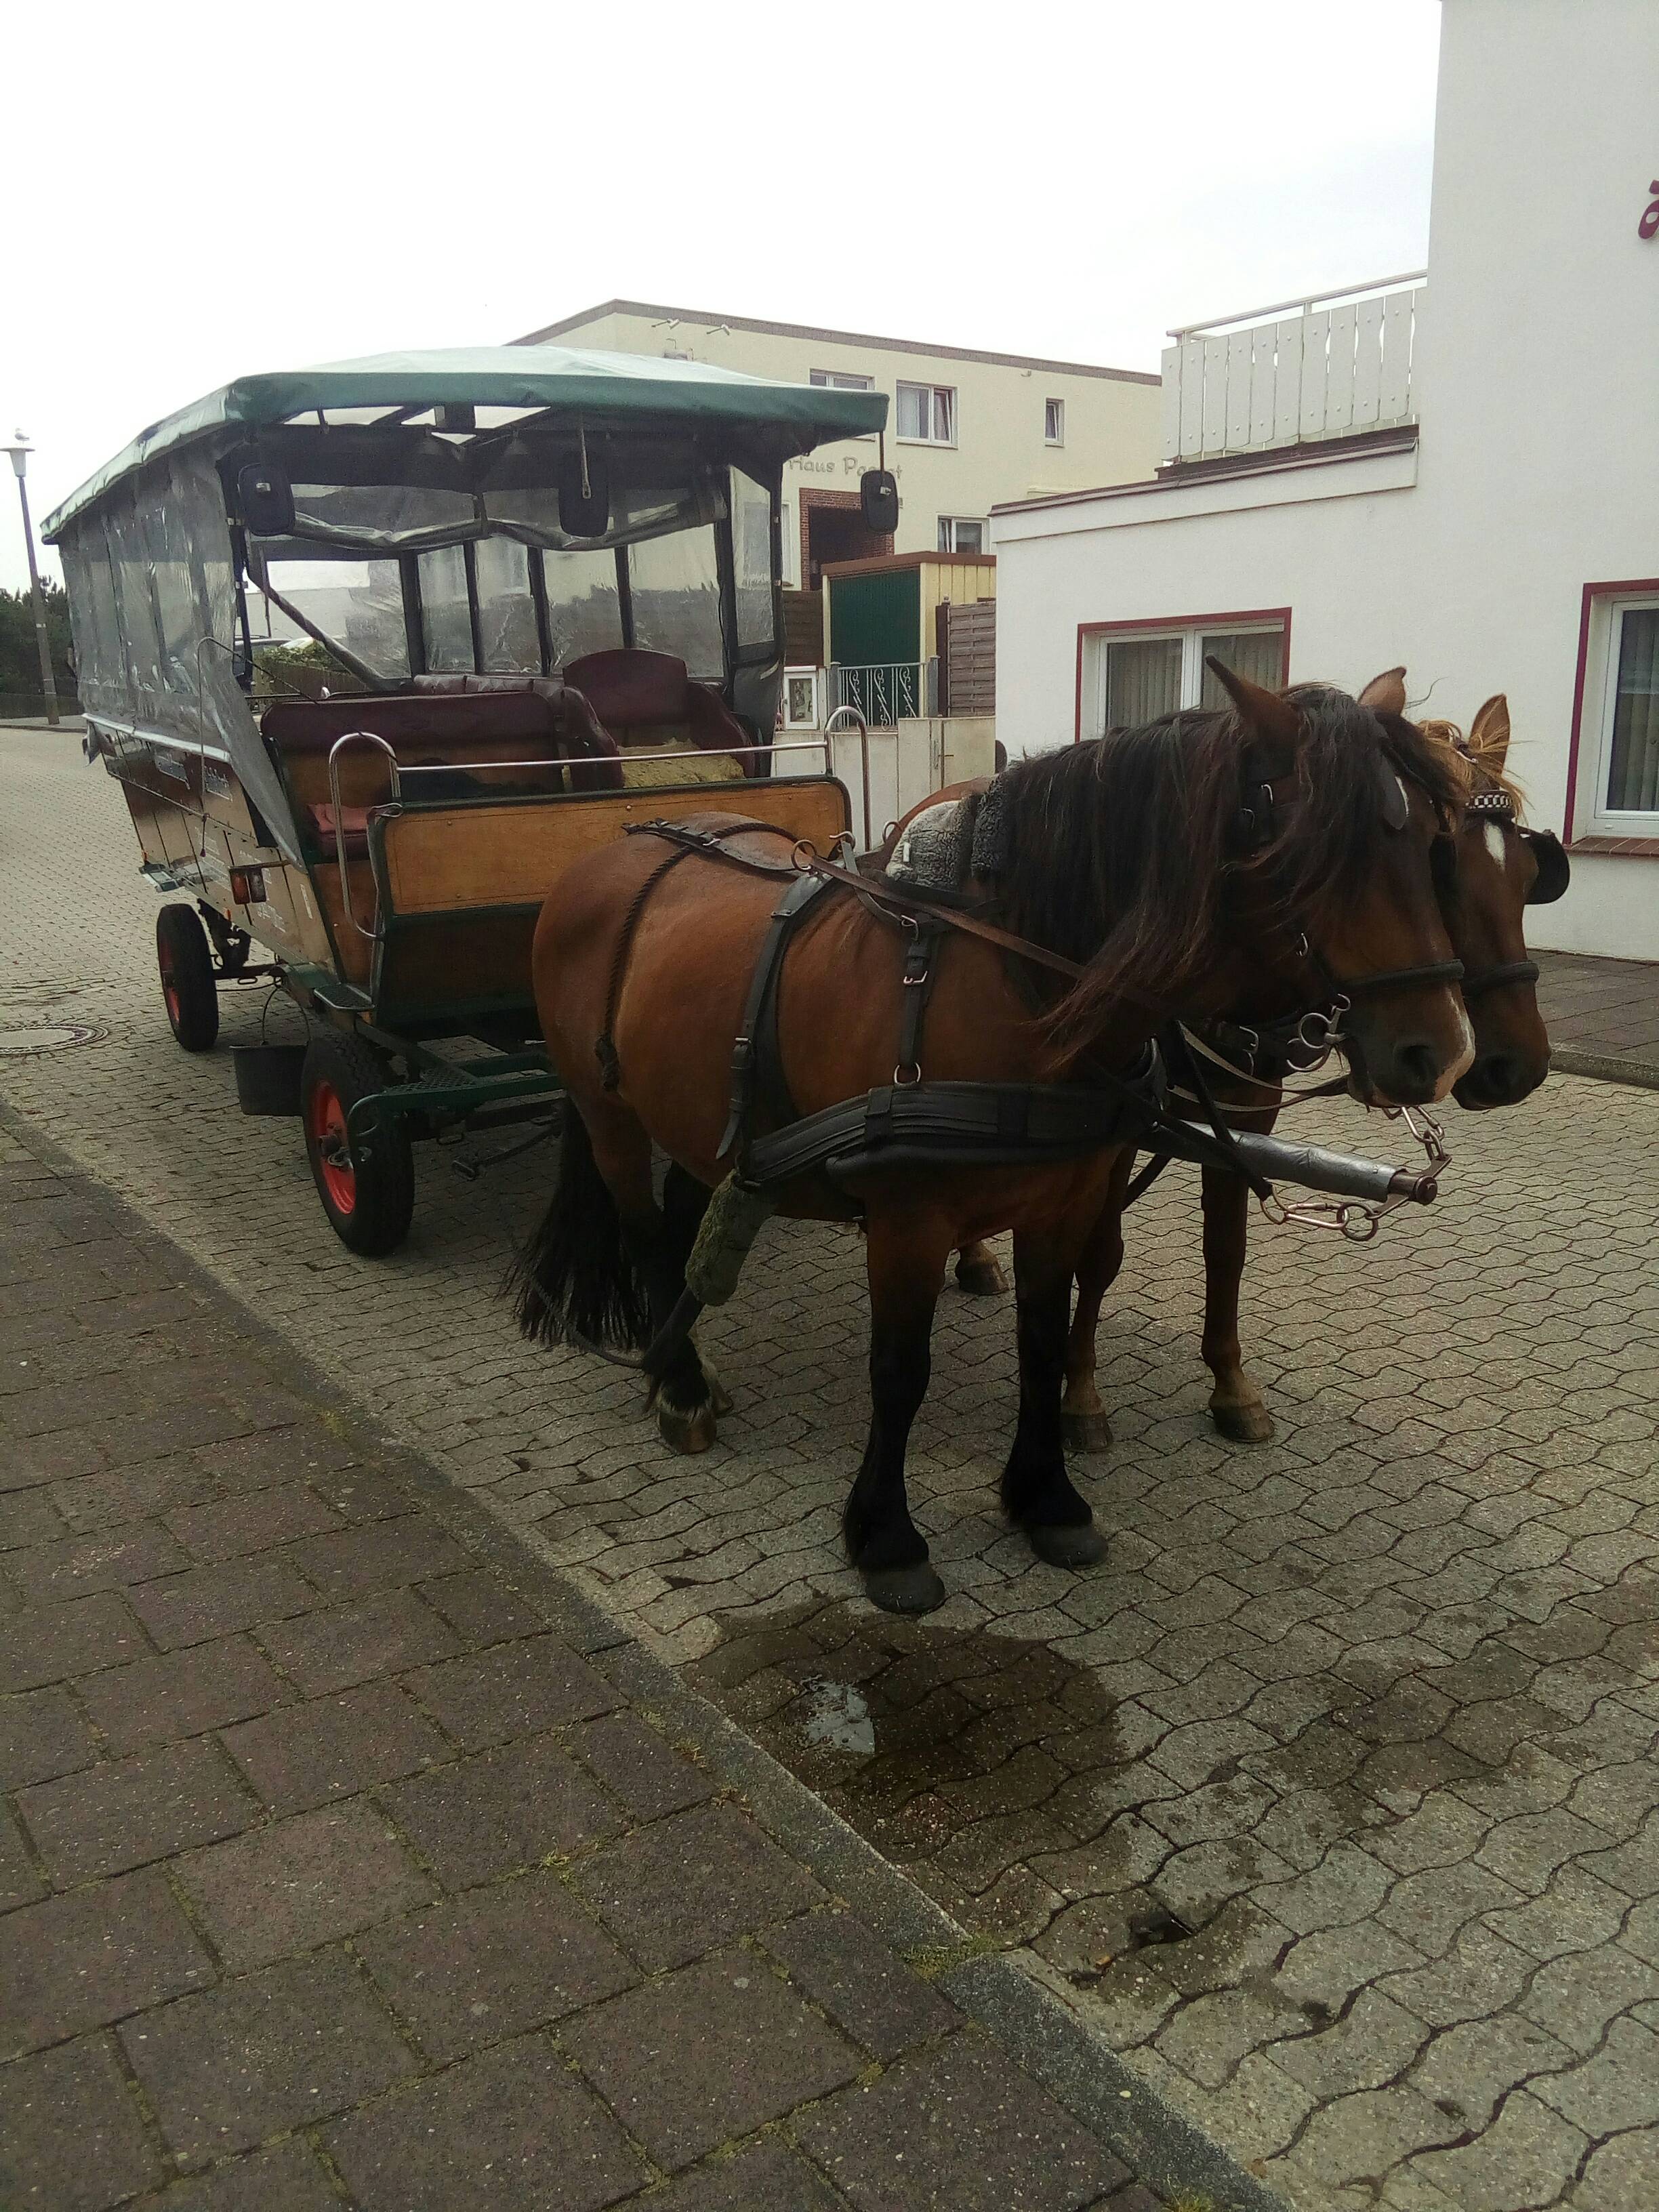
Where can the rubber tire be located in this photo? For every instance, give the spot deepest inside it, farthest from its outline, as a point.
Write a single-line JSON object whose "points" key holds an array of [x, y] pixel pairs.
{"points": [[188, 990], [382, 1178]]}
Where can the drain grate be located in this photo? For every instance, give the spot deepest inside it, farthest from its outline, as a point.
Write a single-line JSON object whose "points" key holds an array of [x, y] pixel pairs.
{"points": [[23, 1041]]}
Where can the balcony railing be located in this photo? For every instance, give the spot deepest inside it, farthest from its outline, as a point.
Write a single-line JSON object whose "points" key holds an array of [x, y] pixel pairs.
{"points": [[1341, 363], [900, 691]]}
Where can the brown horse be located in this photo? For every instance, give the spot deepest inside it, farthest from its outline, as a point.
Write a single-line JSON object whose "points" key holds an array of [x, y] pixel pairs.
{"points": [[1293, 840], [1501, 869]]}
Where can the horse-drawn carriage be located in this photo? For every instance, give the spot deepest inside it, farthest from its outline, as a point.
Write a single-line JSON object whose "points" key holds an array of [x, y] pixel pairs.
{"points": [[553, 579], [547, 584]]}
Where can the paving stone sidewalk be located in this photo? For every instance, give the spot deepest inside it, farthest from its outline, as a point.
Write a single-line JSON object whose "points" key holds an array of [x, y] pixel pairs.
{"points": [[338, 1867], [1602, 1015]]}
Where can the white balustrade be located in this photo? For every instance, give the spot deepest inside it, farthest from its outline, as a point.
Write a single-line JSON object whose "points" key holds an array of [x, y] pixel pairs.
{"points": [[1342, 363]]}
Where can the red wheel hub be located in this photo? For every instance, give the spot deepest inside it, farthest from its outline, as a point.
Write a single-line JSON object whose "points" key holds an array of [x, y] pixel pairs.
{"points": [[170, 993], [325, 1125]]}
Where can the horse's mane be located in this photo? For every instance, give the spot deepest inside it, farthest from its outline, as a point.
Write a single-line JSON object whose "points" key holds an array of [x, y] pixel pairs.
{"points": [[1481, 765], [1122, 851]]}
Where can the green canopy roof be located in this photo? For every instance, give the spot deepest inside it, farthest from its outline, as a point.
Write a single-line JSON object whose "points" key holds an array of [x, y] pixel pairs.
{"points": [[500, 376]]}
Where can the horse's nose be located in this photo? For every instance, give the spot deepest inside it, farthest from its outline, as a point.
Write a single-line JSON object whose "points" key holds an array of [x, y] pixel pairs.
{"points": [[1410, 1075], [1499, 1079]]}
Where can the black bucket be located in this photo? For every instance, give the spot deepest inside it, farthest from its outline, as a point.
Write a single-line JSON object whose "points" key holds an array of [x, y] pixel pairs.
{"points": [[268, 1077]]}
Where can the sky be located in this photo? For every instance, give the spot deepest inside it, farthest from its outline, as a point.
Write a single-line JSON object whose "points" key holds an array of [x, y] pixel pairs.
{"points": [[200, 191]]}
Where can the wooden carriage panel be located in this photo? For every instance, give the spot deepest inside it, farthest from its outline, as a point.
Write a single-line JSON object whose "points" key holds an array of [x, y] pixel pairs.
{"points": [[465, 858]]}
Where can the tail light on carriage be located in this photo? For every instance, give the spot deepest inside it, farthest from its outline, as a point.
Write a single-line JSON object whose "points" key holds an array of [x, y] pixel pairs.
{"points": [[247, 886]]}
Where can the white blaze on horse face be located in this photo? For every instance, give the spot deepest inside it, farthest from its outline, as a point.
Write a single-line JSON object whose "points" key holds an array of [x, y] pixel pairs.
{"points": [[1464, 1061], [1496, 843]]}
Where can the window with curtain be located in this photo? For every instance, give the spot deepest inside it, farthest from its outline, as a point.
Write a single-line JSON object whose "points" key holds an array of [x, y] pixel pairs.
{"points": [[1633, 749], [1143, 681], [1258, 654], [927, 414], [1142, 675]]}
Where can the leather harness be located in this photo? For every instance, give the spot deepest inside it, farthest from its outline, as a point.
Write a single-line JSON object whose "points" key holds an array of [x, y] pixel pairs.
{"points": [[912, 1121]]}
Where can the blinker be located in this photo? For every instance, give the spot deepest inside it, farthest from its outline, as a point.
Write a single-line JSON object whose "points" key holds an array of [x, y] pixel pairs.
{"points": [[1396, 807], [1554, 869]]}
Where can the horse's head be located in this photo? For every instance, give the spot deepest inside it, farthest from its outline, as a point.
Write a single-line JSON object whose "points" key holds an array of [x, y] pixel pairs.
{"points": [[1501, 869], [1348, 826]]}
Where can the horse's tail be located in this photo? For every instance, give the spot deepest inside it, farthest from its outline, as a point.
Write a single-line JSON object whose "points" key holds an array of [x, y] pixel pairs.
{"points": [[575, 1279]]}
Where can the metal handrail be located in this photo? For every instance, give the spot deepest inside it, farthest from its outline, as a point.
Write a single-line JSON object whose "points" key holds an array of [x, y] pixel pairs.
{"points": [[864, 758], [375, 936], [1306, 302]]}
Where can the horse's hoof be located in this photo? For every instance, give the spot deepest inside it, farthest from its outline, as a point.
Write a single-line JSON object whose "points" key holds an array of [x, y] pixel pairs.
{"points": [[1086, 1432], [982, 1279], [718, 1397], [1245, 1424], [691, 1429], [1081, 1545], [903, 1590]]}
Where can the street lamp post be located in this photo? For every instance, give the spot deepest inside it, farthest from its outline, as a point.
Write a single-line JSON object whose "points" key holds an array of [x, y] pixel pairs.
{"points": [[20, 449]]}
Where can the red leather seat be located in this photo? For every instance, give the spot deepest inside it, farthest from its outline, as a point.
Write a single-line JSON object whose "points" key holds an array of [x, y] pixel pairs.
{"points": [[648, 703]]}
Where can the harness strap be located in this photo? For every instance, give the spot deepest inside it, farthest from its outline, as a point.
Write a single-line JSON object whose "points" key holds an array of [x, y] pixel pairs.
{"points": [[605, 1047], [1224, 1129], [760, 1013], [921, 967], [1389, 979]]}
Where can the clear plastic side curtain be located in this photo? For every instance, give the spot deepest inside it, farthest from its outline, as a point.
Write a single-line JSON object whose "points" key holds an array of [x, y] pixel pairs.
{"points": [[152, 608]]}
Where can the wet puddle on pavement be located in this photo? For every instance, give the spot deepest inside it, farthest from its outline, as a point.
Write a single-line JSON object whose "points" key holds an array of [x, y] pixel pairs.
{"points": [[990, 1768]]}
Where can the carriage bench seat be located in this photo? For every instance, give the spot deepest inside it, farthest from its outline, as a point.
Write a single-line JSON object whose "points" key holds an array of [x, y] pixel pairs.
{"points": [[464, 731], [648, 703]]}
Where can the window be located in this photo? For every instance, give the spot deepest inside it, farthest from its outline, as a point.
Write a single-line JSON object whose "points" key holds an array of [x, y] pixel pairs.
{"points": [[958, 533], [751, 546], [674, 582], [445, 611], [801, 699], [506, 612], [1054, 421], [1634, 715], [357, 604], [1619, 778], [927, 414], [840, 379], [584, 609], [1137, 676]]}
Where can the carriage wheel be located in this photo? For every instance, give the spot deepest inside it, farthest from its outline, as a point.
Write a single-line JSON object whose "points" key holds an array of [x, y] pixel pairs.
{"points": [[187, 986], [368, 1188]]}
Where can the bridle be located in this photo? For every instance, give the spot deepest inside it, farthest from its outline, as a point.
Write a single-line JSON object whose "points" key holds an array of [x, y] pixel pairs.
{"points": [[1498, 806], [1309, 1039]]}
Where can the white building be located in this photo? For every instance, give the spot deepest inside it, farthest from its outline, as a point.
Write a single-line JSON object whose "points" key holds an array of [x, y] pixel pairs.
{"points": [[965, 428], [1462, 476]]}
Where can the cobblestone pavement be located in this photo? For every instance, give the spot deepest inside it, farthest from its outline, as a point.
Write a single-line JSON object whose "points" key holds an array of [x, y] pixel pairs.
{"points": [[337, 1866], [1605, 1008], [1334, 1793]]}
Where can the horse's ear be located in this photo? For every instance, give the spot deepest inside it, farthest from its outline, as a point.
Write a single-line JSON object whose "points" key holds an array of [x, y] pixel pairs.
{"points": [[1268, 713], [1385, 694], [1489, 733]]}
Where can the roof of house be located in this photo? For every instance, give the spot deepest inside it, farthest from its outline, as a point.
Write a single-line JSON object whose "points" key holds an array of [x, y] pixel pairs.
{"points": [[712, 321]]}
